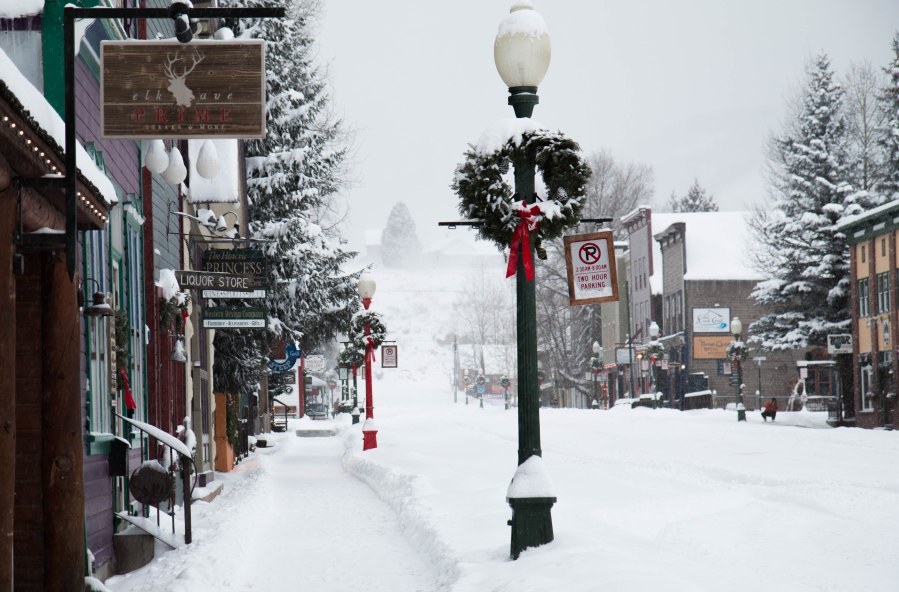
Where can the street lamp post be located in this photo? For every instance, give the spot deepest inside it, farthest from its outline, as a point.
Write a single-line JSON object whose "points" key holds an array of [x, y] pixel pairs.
{"points": [[366, 287], [596, 366], [654, 352], [521, 52], [505, 382], [737, 354]]}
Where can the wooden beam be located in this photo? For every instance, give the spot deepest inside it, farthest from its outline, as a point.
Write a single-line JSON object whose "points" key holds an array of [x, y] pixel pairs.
{"points": [[38, 212], [62, 458], [7, 381]]}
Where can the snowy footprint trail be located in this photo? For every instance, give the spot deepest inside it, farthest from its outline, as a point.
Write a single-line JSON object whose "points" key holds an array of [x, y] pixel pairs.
{"points": [[290, 519]]}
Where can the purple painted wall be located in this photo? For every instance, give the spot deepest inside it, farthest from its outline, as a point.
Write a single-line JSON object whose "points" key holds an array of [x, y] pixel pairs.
{"points": [[121, 159]]}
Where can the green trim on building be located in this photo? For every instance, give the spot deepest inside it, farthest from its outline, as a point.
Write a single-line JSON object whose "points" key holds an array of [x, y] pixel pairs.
{"points": [[885, 218], [54, 51]]}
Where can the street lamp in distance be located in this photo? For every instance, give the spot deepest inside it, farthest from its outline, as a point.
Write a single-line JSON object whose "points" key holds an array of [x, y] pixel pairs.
{"points": [[738, 350], [596, 366], [653, 347], [366, 287]]}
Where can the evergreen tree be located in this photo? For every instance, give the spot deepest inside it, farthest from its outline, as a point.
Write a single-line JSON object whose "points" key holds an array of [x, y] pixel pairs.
{"points": [[291, 175], [399, 241], [889, 131], [804, 256], [695, 200]]}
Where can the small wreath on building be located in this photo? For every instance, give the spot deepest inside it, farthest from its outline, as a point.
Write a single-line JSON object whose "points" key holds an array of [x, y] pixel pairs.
{"points": [[485, 196], [172, 311]]}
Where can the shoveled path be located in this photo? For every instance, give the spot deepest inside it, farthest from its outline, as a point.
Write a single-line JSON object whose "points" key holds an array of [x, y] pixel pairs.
{"points": [[290, 518]]}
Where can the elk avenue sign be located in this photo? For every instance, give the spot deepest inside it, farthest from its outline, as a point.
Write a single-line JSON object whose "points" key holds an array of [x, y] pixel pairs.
{"points": [[168, 89]]}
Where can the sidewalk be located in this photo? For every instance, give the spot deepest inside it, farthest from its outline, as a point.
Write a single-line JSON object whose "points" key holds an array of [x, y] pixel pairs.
{"points": [[289, 518]]}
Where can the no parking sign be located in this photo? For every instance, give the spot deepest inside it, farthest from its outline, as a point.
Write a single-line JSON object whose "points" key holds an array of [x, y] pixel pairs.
{"points": [[590, 259]]}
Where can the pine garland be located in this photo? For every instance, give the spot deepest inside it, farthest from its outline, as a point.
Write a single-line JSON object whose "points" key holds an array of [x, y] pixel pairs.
{"points": [[485, 195]]}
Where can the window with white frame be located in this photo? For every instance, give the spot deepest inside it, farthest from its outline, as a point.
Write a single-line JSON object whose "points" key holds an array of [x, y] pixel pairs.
{"points": [[97, 333], [867, 386], [883, 292], [864, 298]]}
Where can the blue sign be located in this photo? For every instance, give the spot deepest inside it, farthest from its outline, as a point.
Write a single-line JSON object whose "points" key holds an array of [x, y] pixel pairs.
{"points": [[481, 389], [293, 354]]}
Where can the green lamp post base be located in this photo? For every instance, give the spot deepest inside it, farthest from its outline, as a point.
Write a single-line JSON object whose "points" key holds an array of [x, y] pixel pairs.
{"points": [[532, 524]]}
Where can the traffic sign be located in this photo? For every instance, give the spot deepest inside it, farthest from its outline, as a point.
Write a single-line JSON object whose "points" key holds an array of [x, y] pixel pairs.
{"points": [[590, 260]]}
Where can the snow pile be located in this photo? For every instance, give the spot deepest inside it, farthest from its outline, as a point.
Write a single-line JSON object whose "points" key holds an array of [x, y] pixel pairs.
{"points": [[20, 8], [530, 480]]}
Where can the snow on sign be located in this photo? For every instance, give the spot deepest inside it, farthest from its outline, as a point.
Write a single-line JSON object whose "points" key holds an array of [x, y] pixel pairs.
{"points": [[591, 268]]}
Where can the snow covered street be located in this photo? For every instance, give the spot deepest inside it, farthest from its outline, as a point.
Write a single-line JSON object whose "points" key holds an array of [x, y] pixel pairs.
{"points": [[647, 499]]}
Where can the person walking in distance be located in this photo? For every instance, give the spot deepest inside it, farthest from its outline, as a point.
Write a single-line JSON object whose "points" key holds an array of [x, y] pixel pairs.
{"points": [[770, 410]]}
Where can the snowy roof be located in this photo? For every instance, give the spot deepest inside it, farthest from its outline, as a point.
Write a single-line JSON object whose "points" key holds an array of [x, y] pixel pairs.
{"points": [[717, 245], [20, 8], [224, 187], [49, 125], [872, 214]]}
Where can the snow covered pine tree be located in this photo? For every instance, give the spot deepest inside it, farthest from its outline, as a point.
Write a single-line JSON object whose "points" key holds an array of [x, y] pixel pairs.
{"points": [[399, 242], [695, 200], [805, 259], [293, 176]]}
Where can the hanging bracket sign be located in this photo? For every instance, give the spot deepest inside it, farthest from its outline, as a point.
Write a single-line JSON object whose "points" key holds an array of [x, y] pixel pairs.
{"points": [[168, 89], [207, 280], [388, 356], [293, 354], [233, 317], [590, 259]]}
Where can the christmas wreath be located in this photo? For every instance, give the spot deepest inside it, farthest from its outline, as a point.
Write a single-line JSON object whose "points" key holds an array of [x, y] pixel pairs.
{"points": [[375, 323], [506, 218], [737, 350]]}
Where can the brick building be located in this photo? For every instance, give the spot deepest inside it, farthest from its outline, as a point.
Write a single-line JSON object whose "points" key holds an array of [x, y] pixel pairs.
{"points": [[875, 313], [699, 279]]}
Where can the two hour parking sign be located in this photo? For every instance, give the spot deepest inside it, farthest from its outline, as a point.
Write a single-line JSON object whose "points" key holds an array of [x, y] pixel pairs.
{"points": [[590, 259]]}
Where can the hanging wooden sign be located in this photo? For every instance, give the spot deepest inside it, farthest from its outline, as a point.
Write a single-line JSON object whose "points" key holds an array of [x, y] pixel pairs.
{"points": [[168, 89], [590, 259]]}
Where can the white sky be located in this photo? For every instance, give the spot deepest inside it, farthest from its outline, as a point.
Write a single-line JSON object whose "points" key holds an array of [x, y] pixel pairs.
{"points": [[692, 88]]}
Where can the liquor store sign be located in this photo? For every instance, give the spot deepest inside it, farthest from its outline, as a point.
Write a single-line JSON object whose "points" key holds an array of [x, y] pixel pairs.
{"points": [[168, 89]]}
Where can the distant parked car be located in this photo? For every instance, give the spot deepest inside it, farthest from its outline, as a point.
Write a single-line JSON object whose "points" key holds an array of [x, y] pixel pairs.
{"points": [[316, 411]]}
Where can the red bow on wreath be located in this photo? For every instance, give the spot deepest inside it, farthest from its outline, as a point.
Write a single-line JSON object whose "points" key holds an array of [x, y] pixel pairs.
{"points": [[522, 238], [371, 352], [129, 400]]}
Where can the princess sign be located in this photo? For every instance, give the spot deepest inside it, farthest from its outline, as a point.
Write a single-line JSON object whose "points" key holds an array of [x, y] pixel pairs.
{"points": [[590, 259]]}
